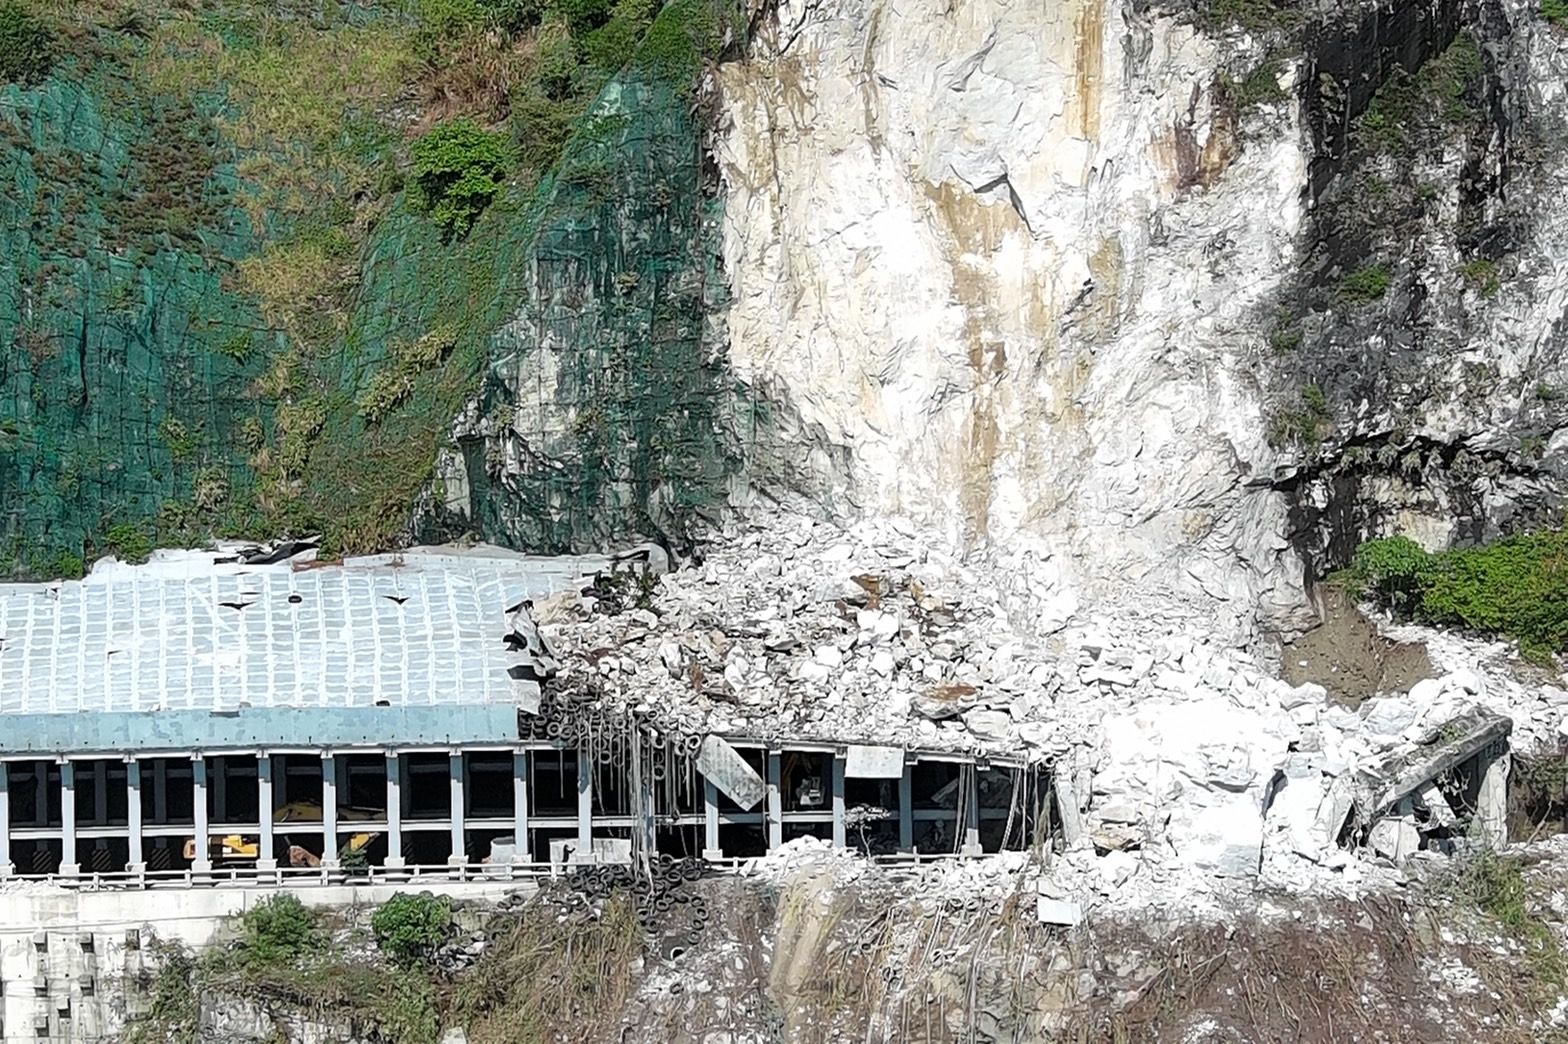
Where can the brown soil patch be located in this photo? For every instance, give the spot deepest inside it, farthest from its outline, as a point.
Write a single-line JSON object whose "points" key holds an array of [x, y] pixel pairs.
{"points": [[1347, 656]]}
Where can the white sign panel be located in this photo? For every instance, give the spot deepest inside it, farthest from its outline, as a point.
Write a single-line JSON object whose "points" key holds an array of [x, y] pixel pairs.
{"points": [[874, 762]]}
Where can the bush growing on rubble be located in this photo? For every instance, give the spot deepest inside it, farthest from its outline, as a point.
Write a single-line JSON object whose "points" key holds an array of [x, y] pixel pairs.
{"points": [[410, 927], [1516, 587], [278, 930]]}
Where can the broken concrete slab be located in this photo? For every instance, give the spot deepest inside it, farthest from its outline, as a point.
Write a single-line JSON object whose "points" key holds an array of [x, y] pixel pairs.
{"points": [[723, 766], [1063, 912]]}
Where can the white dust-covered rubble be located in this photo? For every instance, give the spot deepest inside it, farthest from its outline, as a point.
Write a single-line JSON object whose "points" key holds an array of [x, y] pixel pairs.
{"points": [[1171, 737]]}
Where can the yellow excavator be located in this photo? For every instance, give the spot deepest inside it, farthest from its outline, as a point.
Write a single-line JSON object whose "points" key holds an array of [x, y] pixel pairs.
{"points": [[238, 849]]}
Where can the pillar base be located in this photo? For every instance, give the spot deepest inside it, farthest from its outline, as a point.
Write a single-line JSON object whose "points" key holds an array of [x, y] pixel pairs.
{"points": [[971, 851], [7, 869], [393, 863], [70, 869], [136, 868], [201, 866], [457, 861], [266, 866], [712, 854]]}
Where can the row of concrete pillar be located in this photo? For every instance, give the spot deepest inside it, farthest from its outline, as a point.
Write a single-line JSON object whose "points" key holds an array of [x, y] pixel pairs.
{"points": [[772, 817]]}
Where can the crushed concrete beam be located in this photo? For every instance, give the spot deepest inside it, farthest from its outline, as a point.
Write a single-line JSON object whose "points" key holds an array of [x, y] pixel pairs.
{"points": [[722, 765], [1476, 732], [866, 762]]}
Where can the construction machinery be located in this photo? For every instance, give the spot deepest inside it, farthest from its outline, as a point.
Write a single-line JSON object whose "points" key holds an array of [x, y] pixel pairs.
{"points": [[242, 849]]}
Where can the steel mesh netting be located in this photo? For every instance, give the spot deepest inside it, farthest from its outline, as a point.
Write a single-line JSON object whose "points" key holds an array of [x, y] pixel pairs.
{"points": [[608, 402], [134, 369], [125, 360]]}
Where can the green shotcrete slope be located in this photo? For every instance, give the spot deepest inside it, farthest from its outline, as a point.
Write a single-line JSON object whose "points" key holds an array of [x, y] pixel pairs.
{"points": [[226, 312]]}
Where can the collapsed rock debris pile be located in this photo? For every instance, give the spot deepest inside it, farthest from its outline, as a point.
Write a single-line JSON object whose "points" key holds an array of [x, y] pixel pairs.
{"points": [[1171, 743]]}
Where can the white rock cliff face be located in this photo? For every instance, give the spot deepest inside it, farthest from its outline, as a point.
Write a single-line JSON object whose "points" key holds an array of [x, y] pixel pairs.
{"points": [[1012, 257]]}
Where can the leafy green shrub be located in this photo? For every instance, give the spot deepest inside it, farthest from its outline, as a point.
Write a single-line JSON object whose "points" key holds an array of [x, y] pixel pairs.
{"points": [[1367, 283], [685, 33], [129, 541], [459, 167], [1516, 587], [410, 927], [68, 565], [26, 45], [278, 930], [1393, 570], [614, 44], [1555, 11]]}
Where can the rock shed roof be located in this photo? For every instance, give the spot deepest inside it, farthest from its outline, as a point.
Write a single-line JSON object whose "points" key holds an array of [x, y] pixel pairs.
{"points": [[293, 649]]}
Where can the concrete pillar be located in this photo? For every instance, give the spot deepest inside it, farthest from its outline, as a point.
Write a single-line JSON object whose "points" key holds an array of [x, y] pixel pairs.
{"points": [[969, 800], [133, 816], [459, 856], [203, 861], [906, 809], [266, 858], [394, 770], [7, 868], [329, 810], [68, 861], [584, 808], [1491, 803], [839, 839], [520, 807], [775, 801], [710, 806]]}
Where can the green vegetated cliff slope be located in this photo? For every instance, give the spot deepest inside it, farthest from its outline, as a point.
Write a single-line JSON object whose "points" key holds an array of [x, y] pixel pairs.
{"points": [[257, 255]]}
